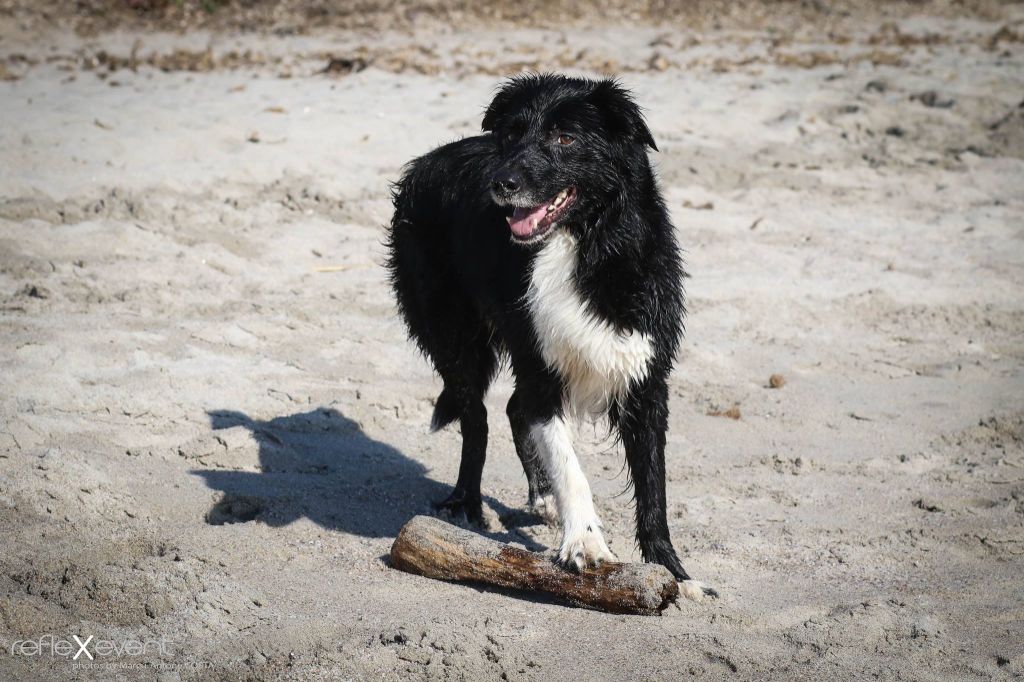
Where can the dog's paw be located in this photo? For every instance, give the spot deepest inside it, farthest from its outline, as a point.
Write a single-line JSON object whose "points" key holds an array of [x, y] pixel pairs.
{"points": [[544, 507], [461, 510], [585, 548], [695, 590]]}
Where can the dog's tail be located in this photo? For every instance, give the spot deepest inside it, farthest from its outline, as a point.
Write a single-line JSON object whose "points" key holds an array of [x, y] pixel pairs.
{"points": [[446, 410]]}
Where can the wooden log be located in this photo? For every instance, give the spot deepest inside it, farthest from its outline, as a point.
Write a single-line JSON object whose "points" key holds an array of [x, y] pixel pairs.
{"points": [[430, 547]]}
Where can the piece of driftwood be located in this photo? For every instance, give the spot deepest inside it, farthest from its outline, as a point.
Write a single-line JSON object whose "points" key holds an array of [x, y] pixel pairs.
{"points": [[430, 547]]}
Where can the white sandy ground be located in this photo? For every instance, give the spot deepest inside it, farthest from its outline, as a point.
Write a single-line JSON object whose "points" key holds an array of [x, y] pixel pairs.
{"points": [[171, 360]]}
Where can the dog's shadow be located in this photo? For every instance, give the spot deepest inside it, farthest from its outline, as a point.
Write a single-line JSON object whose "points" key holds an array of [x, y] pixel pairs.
{"points": [[322, 466]]}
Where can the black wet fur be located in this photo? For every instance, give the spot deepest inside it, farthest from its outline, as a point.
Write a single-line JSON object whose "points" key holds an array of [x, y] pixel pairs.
{"points": [[460, 279]]}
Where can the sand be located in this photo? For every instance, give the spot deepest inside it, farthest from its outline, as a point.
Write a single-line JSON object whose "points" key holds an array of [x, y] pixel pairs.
{"points": [[212, 425]]}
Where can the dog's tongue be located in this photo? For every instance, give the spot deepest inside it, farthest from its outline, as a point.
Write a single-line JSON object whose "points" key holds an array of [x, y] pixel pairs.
{"points": [[523, 219]]}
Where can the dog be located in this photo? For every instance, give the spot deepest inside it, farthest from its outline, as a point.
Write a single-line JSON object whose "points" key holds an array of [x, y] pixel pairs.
{"points": [[545, 243]]}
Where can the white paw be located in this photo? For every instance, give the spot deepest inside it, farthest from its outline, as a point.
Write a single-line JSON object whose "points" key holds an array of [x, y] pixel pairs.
{"points": [[695, 590], [544, 506], [584, 548]]}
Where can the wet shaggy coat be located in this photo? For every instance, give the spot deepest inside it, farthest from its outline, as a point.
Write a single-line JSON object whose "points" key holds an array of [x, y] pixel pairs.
{"points": [[589, 316]]}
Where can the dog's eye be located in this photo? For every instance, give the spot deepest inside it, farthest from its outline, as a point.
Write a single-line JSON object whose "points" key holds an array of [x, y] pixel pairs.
{"points": [[565, 139]]}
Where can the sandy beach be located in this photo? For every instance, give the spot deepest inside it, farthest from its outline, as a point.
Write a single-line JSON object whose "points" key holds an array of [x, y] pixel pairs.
{"points": [[212, 424]]}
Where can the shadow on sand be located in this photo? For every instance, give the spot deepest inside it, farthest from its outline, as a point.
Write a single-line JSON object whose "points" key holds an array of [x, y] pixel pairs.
{"points": [[321, 466]]}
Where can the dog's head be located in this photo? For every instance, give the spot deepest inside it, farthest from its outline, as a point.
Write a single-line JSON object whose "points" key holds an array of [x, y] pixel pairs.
{"points": [[568, 146]]}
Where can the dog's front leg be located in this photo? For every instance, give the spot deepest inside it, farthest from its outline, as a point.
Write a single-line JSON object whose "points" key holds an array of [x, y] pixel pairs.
{"points": [[642, 424], [582, 543]]}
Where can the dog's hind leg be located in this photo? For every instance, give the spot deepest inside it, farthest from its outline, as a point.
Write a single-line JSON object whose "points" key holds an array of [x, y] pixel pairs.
{"points": [[467, 373], [540, 498], [465, 503], [445, 324], [642, 423]]}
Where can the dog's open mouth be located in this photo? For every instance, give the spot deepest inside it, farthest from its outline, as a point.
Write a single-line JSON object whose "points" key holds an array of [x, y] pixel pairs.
{"points": [[530, 222]]}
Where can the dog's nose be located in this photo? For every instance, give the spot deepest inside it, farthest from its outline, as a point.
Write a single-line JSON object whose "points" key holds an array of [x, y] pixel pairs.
{"points": [[506, 183]]}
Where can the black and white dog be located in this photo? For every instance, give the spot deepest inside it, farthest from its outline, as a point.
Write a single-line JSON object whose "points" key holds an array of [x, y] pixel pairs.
{"points": [[546, 241]]}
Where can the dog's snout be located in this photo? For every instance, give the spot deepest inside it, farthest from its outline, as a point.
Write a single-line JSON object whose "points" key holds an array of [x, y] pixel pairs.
{"points": [[506, 183]]}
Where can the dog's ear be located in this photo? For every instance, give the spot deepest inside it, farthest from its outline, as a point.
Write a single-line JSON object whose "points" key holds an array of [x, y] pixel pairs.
{"points": [[621, 113], [493, 112], [501, 103]]}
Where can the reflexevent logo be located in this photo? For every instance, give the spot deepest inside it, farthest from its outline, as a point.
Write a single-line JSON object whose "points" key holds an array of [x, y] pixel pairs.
{"points": [[81, 648], [91, 652]]}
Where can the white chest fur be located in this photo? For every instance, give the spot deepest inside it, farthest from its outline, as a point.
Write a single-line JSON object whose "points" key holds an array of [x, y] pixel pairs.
{"points": [[597, 362]]}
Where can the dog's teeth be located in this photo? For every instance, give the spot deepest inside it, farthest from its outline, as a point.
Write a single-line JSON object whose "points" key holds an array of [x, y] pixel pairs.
{"points": [[552, 207], [508, 219]]}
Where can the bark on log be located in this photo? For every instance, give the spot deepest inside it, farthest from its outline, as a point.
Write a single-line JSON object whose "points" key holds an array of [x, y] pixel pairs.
{"points": [[430, 547]]}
